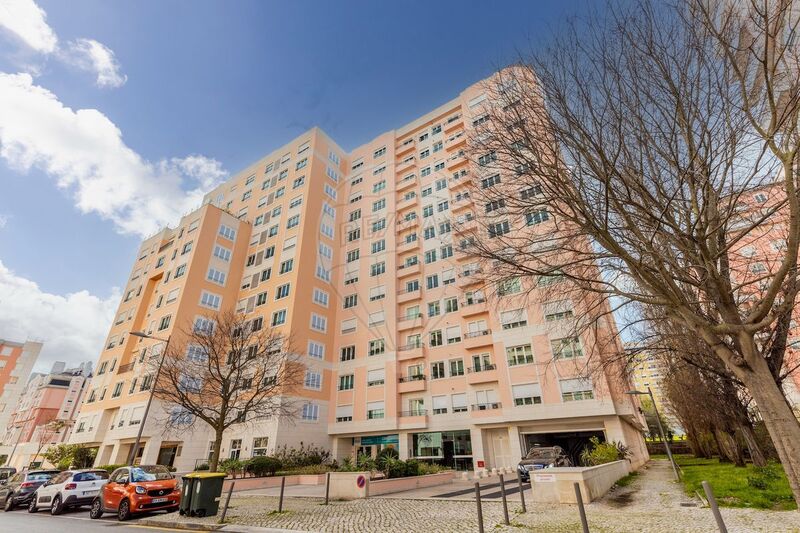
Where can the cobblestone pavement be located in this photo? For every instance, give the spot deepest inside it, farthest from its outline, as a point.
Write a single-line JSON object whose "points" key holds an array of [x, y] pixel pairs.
{"points": [[651, 503]]}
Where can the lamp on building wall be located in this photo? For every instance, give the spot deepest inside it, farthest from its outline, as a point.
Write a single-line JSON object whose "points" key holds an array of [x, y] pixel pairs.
{"points": [[136, 444], [660, 428]]}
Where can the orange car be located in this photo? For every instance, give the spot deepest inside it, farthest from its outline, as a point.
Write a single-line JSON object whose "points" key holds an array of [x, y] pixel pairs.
{"points": [[137, 489]]}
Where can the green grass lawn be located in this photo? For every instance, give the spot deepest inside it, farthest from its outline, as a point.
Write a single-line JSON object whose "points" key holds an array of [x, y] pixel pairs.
{"points": [[737, 487]]}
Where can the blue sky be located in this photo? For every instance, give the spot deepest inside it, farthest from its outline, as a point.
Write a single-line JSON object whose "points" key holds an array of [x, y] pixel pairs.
{"points": [[110, 100]]}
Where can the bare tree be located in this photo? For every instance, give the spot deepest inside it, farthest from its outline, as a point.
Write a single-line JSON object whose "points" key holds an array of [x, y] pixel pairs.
{"points": [[46, 434], [623, 159], [225, 371]]}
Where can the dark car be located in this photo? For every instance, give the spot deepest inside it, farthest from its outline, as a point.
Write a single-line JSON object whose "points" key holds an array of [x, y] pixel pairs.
{"points": [[19, 489], [540, 457], [6, 472]]}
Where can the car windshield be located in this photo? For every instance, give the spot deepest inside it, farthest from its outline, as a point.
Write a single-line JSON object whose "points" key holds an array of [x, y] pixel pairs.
{"points": [[542, 453], [91, 476], [40, 476], [150, 473]]}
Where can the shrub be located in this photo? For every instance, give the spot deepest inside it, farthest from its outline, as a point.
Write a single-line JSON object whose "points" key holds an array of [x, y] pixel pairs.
{"points": [[429, 468], [202, 467], [263, 466], [231, 466], [384, 455], [762, 476], [311, 469], [292, 458], [347, 465], [111, 468], [412, 467], [366, 462], [603, 452]]}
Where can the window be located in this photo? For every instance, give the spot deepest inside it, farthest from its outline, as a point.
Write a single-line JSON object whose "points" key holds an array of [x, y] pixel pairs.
{"points": [[378, 205], [451, 304], [436, 338], [352, 256], [456, 367], [379, 152], [431, 282], [377, 318], [186, 248], [348, 326], [537, 217], [499, 229], [279, 317], [376, 377], [516, 318], [222, 253], [298, 182], [377, 293], [377, 347], [558, 315], [567, 348], [519, 355], [439, 405], [286, 266], [203, 325], [509, 286], [459, 402], [320, 297], [437, 370], [490, 181], [576, 389], [293, 222], [260, 446], [313, 380], [316, 350], [348, 353], [261, 298], [354, 235], [196, 353], [117, 390], [319, 323], [375, 410], [210, 300], [216, 276], [310, 412], [378, 246], [350, 300], [180, 271], [378, 225], [228, 233], [282, 291], [346, 382], [164, 324], [453, 334], [487, 158], [377, 269], [434, 309], [527, 394]]}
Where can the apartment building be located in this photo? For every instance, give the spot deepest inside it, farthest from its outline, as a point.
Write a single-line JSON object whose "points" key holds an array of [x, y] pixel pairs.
{"points": [[16, 362], [361, 258], [47, 398]]}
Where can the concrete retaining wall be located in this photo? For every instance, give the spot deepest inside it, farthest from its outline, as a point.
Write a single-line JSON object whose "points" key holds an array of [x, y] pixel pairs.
{"points": [[388, 486], [250, 483], [556, 485]]}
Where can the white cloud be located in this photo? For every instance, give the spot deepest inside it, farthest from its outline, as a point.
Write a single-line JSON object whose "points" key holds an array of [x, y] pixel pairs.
{"points": [[84, 151], [26, 21], [96, 57], [73, 327], [4, 220]]}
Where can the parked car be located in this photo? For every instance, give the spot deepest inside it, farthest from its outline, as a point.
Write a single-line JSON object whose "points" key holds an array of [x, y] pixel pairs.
{"points": [[71, 488], [137, 489], [540, 457], [6, 472], [20, 487]]}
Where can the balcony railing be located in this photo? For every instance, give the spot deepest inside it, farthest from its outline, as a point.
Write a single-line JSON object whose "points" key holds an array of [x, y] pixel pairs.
{"points": [[479, 333], [126, 367], [486, 406], [482, 368], [409, 379], [410, 346], [414, 412], [475, 301]]}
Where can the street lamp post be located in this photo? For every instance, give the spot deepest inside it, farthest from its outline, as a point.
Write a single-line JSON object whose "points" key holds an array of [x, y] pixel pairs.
{"points": [[135, 449], [660, 429]]}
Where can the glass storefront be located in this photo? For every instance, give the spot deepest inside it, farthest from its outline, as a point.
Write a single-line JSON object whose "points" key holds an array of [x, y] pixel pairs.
{"points": [[447, 448]]}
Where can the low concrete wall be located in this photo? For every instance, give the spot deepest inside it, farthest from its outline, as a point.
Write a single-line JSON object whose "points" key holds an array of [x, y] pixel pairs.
{"points": [[349, 485], [556, 485], [388, 486], [252, 483]]}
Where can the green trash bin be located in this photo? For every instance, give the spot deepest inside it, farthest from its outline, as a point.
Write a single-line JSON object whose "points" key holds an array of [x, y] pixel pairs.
{"points": [[206, 493], [187, 484]]}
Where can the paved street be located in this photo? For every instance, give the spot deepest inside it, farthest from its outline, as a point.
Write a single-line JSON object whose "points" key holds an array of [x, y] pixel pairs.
{"points": [[42, 522]]}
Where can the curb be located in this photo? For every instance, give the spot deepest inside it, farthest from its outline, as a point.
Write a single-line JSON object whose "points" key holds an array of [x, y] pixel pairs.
{"points": [[202, 526]]}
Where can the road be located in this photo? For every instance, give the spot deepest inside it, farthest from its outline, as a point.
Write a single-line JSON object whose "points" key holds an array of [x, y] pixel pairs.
{"points": [[78, 521]]}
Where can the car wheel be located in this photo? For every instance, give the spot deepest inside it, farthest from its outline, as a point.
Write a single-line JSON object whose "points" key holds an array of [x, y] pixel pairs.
{"points": [[56, 508], [9, 506], [173, 509], [124, 511], [96, 510], [32, 505]]}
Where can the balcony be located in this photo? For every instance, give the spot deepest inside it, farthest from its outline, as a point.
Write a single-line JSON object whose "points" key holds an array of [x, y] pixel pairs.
{"points": [[405, 203], [408, 270], [482, 374], [456, 139], [126, 367], [409, 296], [465, 225], [410, 351], [456, 160], [461, 203], [469, 277], [407, 246], [405, 183], [414, 412], [459, 178], [409, 322], [476, 339], [405, 147], [415, 383], [404, 164], [475, 307], [491, 406], [453, 122], [405, 225], [414, 419]]}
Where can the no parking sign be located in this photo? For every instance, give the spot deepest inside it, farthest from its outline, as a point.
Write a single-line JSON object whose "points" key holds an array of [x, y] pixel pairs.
{"points": [[361, 481]]}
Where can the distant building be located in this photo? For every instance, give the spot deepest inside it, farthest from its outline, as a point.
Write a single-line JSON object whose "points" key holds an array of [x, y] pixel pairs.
{"points": [[46, 400], [16, 362], [648, 372]]}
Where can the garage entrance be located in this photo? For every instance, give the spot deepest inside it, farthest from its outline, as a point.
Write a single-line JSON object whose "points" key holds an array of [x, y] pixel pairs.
{"points": [[573, 442]]}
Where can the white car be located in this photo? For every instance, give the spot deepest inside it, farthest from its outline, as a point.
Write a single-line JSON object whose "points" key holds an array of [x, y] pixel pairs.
{"points": [[71, 488]]}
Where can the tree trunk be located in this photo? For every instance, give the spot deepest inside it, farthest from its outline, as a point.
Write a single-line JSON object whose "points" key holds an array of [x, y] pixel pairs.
{"points": [[756, 455], [214, 463], [780, 421], [729, 447]]}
